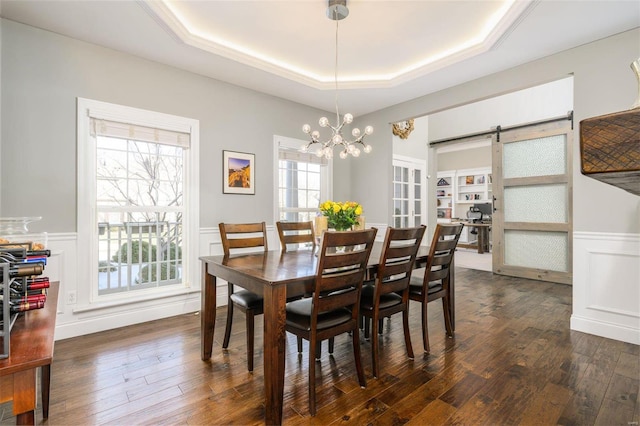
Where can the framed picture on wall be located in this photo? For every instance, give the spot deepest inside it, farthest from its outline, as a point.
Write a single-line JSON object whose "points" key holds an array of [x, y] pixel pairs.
{"points": [[238, 173]]}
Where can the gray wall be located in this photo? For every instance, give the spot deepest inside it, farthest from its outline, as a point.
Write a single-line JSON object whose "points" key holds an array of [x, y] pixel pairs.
{"points": [[416, 145], [474, 158], [1, 111], [43, 73], [536, 103], [603, 83]]}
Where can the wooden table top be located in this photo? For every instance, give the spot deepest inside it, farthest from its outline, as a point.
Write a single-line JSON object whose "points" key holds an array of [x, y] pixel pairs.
{"points": [[276, 268], [471, 223], [32, 337]]}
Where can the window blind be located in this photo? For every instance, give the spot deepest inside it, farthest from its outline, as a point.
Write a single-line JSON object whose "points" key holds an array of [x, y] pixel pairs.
{"points": [[302, 157], [101, 127]]}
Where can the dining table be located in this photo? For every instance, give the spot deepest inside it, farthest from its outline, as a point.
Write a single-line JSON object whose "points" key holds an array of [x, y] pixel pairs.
{"points": [[276, 276]]}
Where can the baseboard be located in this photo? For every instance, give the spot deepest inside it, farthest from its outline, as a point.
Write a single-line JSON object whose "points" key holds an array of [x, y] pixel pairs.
{"points": [[608, 330], [114, 320]]}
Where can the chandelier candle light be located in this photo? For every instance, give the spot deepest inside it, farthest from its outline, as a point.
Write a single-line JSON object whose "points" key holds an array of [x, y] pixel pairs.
{"points": [[337, 11]]}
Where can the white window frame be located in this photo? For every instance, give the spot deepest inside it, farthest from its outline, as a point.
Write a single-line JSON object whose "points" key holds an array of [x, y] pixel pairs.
{"points": [[326, 190], [87, 296]]}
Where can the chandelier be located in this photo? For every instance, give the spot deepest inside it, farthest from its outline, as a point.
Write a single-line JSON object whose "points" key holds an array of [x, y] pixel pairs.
{"points": [[337, 11]]}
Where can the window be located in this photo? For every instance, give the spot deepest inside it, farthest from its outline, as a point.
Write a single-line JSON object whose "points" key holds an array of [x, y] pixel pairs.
{"points": [[303, 181], [137, 174]]}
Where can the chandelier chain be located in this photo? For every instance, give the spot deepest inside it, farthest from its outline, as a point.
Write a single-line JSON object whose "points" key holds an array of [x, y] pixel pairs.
{"points": [[336, 69]]}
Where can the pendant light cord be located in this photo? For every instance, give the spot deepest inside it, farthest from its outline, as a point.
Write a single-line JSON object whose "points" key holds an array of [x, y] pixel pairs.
{"points": [[335, 13]]}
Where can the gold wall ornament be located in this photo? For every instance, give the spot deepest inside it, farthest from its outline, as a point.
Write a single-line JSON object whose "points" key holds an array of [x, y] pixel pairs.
{"points": [[403, 128]]}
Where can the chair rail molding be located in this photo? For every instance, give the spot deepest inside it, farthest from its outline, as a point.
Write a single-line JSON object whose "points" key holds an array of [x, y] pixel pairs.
{"points": [[606, 285]]}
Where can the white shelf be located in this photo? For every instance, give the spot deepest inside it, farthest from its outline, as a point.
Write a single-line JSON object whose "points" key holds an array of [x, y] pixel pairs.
{"points": [[445, 195], [461, 184]]}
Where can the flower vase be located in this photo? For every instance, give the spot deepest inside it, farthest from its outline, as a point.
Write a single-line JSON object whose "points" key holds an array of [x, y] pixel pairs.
{"points": [[320, 225], [360, 224]]}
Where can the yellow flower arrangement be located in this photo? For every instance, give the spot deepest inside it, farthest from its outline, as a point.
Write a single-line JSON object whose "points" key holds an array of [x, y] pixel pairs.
{"points": [[341, 216]]}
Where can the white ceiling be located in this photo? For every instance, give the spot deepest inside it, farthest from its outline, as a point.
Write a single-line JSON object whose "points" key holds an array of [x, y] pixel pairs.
{"points": [[389, 51]]}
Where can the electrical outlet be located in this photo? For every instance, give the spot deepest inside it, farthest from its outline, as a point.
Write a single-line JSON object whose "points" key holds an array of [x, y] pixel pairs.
{"points": [[71, 297]]}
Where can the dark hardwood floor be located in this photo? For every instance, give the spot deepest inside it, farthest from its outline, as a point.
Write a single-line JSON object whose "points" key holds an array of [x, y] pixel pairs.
{"points": [[513, 361]]}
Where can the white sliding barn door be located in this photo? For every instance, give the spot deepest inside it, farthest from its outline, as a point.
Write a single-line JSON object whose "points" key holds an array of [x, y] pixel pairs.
{"points": [[532, 221]]}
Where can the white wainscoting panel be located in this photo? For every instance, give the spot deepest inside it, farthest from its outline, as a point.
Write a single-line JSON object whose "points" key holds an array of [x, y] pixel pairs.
{"points": [[606, 285], [74, 320]]}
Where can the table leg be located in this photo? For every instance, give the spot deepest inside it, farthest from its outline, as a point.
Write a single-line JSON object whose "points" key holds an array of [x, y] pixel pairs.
{"points": [[481, 238], [274, 349], [452, 293], [45, 383], [24, 396], [27, 418], [208, 311]]}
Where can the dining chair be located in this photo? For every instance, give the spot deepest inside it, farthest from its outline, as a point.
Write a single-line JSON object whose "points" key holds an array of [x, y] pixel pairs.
{"points": [[237, 237], [388, 294], [434, 283], [296, 233], [333, 308]]}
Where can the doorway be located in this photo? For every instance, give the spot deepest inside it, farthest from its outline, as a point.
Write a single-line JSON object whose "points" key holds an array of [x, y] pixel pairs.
{"points": [[464, 184], [460, 141]]}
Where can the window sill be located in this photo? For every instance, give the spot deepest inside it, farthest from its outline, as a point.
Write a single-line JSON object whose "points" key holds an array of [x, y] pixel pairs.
{"points": [[123, 302]]}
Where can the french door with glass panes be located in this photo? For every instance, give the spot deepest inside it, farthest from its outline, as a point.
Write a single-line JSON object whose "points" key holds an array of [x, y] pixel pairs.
{"points": [[409, 192], [532, 225]]}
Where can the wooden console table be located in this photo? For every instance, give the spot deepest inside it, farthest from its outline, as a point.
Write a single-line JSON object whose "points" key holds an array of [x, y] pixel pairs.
{"points": [[31, 347], [484, 244]]}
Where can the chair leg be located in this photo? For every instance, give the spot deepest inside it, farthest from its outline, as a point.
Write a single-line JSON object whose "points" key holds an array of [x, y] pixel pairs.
{"points": [[366, 327], [380, 325], [425, 328], [299, 344], [227, 329], [407, 335], [356, 355], [318, 351], [447, 316], [331, 342], [250, 333], [312, 376], [374, 347]]}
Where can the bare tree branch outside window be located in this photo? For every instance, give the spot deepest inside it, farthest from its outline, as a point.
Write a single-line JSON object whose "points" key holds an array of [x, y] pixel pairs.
{"points": [[145, 175]]}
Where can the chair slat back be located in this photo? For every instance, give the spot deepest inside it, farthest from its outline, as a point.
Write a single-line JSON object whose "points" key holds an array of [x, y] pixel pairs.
{"points": [[397, 259], [443, 246], [342, 264], [295, 233], [243, 236]]}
